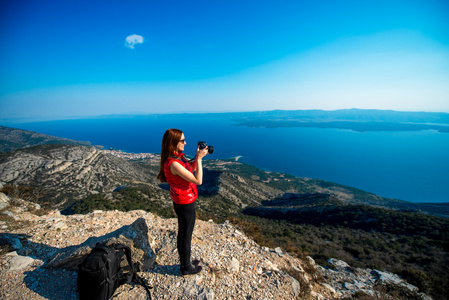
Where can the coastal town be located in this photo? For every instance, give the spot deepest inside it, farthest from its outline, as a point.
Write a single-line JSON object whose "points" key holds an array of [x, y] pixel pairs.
{"points": [[131, 156]]}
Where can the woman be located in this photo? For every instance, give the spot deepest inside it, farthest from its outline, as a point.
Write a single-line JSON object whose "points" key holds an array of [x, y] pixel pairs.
{"points": [[183, 177]]}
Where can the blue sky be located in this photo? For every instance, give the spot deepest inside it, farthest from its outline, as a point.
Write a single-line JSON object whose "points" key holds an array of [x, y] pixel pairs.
{"points": [[63, 59]]}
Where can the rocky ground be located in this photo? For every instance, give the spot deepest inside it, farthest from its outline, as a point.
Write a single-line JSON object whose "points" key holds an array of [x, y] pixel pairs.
{"points": [[234, 266]]}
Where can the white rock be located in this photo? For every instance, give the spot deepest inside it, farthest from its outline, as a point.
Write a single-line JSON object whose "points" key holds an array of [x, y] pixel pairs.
{"points": [[206, 295], [349, 286], [270, 266], [191, 290], [235, 265], [4, 201], [317, 296], [311, 260], [20, 262], [338, 263], [296, 287], [329, 288], [387, 277], [279, 252], [8, 213]]}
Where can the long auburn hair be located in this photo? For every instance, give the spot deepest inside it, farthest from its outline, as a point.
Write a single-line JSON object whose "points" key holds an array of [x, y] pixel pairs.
{"points": [[170, 142]]}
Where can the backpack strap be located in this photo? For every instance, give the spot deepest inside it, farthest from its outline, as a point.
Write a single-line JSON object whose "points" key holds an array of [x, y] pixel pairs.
{"points": [[133, 277], [139, 280]]}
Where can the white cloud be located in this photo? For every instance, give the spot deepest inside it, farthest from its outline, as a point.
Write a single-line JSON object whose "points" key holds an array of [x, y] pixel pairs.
{"points": [[132, 40]]}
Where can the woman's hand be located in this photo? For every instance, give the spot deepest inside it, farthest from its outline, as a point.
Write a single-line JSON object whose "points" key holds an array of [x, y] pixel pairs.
{"points": [[200, 153]]}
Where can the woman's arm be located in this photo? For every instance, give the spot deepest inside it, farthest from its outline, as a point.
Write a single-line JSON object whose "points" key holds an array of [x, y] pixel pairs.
{"points": [[177, 169]]}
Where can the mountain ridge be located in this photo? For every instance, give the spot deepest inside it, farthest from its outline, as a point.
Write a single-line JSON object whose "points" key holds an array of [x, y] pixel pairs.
{"points": [[13, 139]]}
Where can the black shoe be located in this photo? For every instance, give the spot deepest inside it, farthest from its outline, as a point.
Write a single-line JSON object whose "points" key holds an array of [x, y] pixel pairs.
{"points": [[191, 270], [195, 262]]}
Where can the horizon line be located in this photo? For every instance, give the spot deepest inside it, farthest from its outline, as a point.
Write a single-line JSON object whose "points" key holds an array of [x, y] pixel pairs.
{"points": [[23, 120]]}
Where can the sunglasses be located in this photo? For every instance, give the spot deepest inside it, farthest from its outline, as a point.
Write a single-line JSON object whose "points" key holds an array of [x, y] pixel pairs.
{"points": [[182, 141]]}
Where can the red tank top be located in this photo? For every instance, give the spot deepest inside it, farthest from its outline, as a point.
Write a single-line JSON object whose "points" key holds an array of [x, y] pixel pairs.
{"points": [[181, 190]]}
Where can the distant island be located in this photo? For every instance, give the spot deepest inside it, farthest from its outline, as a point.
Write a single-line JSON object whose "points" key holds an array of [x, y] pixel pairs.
{"points": [[360, 120]]}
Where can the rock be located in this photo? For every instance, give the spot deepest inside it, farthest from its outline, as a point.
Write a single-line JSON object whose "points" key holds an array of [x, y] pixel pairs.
{"points": [[339, 264], [20, 262], [13, 242], [317, 296], [16, 244], [349, 286], [270, 266], [25, 251], [389, 278], [135, 236], [278, 251], [4, 201], [329, 288], [206, 294], [296, 287], [345, 280], [311, 261], [8, 213], [235, 265]]}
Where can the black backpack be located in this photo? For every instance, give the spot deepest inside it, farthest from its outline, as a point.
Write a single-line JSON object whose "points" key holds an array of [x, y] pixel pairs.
{"points": [[100, 274]]}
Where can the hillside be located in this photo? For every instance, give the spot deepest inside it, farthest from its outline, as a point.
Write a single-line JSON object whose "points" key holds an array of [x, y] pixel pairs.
{"points": [[59, 175], [288, 187], [12, 139]]}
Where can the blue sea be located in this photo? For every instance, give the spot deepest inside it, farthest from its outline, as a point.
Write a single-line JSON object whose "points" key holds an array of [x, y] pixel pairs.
{"points": [[408, 165]]}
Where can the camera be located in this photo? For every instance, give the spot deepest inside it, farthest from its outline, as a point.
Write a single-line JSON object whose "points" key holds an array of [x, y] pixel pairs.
{"points": [[203, 145]]}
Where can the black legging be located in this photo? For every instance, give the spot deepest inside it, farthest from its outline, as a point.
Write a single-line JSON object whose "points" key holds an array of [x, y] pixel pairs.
{"points": [[186, 223]]}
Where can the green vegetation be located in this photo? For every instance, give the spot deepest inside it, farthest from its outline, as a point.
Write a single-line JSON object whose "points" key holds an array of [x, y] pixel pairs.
{"points": [[141, 197], [418, 251]]}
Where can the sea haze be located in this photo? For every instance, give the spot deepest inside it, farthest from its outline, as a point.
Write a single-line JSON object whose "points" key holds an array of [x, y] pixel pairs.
{"points": [[407, 163]]}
